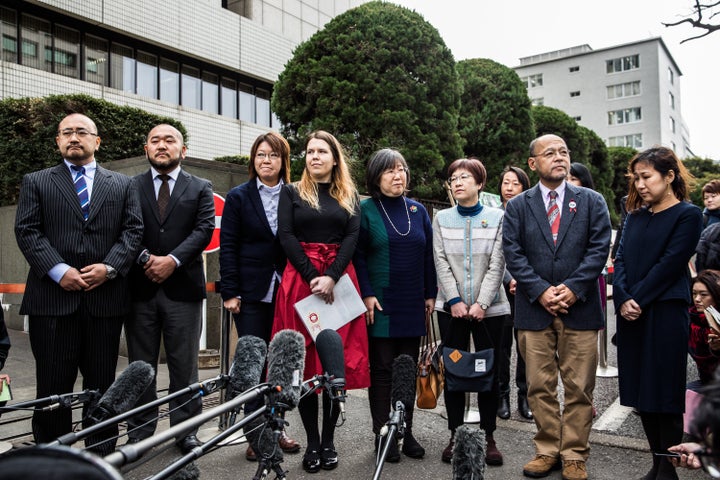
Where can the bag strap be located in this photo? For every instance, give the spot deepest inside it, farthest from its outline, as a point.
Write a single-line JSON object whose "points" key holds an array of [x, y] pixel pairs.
{"points": [[430, 337]]}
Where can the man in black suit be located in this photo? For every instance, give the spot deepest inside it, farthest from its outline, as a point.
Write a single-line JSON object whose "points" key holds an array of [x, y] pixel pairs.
{"points": [[167, 280], [79, 227]]}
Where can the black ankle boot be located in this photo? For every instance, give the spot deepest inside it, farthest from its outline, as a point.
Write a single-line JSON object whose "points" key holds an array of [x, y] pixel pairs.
{"points": [[503, 410], [411, 447]]}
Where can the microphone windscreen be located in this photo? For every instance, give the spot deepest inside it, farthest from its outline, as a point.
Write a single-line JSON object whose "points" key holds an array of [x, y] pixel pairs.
{"points": [[403, 381], [286, 362], [247, 366], [468, 460], [188, 472], [125, 391], [330, 350]]}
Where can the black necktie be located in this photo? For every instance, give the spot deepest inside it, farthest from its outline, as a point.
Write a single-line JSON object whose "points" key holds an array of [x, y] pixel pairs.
{"points": [[163, 195]]}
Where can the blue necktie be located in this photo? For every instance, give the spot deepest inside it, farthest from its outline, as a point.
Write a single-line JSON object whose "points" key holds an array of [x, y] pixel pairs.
{"points": [[81, 190]]}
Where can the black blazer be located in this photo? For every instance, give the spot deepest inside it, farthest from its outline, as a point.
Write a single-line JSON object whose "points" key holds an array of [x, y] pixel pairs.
{"points": [[50, 229], [185, 232], [249, 252]]}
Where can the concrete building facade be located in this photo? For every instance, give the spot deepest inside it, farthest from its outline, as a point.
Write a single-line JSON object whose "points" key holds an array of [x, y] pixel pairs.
{"points": [[628, 94], [209, 63]]}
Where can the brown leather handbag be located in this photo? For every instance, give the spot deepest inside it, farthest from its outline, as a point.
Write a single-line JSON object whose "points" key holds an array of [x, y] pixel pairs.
{"points": [[430, 373]]}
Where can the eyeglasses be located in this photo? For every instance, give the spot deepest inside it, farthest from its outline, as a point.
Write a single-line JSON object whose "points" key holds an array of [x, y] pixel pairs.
{"points": [[462, 178], [80, 132], [550, 154], [395, 171], [708, 461], [263, 156]]}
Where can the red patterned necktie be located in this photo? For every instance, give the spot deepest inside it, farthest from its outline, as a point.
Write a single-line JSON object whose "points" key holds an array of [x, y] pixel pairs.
{"points": [[553, 214]]}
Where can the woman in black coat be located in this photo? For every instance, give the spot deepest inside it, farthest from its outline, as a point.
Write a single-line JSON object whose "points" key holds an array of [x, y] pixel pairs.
{"points": [[652, 293]]}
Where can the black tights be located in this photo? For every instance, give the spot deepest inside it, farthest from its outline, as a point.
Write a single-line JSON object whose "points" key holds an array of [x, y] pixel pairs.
{"points": [[309, 409], [663, 430]]}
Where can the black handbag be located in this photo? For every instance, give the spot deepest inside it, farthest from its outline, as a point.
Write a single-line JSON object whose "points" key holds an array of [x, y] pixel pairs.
{"points": [[469, 371]]}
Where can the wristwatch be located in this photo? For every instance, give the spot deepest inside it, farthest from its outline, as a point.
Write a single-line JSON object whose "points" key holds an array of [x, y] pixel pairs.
{"points": [[484, 306], [111, 272], [144, 257]]}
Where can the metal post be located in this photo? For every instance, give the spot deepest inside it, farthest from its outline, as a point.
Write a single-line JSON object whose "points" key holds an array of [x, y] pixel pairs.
{"points": [[225, 326], [603, 369]]}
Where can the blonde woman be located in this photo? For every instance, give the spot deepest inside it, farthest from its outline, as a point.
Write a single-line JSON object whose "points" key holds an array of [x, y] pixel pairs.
{"points": [[318, 227]]}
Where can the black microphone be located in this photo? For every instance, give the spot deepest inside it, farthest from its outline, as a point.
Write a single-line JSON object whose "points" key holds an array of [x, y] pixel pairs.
{"points": [[403, 381], [330, 350], [286, 362], [53, 402], [124, 393], [468, 460]]}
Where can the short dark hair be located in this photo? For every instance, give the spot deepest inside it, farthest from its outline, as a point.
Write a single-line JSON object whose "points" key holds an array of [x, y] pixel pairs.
{"points": [[472, 165], [713, 186], [384, 159], [711, 279], [664, 161], [582, 173], [519, 172]]}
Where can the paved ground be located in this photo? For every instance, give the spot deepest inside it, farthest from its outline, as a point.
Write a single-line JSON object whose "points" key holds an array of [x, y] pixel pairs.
{"points": [[619, 451]]}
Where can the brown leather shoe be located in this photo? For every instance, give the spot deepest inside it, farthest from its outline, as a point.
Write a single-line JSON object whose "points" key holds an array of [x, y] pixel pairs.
{"points": [[492, 454], [574, 470], [287, 444], [541, 466], [250, 454], [447, 454]]}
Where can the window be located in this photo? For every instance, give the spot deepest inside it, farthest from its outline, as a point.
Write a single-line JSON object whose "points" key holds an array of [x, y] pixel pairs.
{"points": [[622, 64], [671, 100], [122, 68], [169, 81], [538, 101], [626, 115], [210, 92], [671, 76], [577, 119], [66, 51], [575, 93], [632, 141], [191, 94], [532, 81], [228, 98], [96, 56], [147, 75], [574, 69], [247, 103], [8, 31], [672, 124], [36, 40], [621, 90], [262, 105]]}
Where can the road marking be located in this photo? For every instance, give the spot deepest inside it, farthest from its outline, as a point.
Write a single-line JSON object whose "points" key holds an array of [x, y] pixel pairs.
{"points": [[613, 417]]}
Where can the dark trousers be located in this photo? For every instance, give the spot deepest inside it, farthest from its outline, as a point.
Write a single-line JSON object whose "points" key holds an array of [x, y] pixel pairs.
{"points": [[62, 346], [456, 333], [179, 325], [255, 318], [382, 353], [509, 332]]}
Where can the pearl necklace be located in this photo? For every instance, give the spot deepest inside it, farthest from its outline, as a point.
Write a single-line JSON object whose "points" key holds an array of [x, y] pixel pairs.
{"points": [[390, 221]]}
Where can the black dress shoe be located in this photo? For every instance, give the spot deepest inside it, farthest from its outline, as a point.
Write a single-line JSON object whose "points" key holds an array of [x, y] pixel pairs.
{"points": [[524, 408], [188, 443], [133, 440], [311, 461], [328, 458], [503, 410]]}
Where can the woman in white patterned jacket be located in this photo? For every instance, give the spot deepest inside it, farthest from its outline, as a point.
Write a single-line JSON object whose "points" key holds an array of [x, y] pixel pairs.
{"points": [[467, 240]]}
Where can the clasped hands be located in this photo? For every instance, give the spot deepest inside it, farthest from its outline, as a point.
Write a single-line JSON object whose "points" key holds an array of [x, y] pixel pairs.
{"points": [[323, 287], [87, 278], [630, 310], [557, 300], [158, 269]]}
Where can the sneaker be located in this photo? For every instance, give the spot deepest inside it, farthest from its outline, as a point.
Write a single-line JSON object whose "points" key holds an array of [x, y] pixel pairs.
{"points": [[492, 454], [574, 470], [541, 466]]}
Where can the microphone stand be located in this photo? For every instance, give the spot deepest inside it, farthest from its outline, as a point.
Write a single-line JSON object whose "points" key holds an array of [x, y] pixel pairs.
{"points": [[393, 429], [54, 401], [267, 462], [207, 446], [204, 388], [130, 453]]}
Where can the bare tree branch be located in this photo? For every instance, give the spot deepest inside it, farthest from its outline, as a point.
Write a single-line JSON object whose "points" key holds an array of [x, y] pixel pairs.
{"points": [[695, 19]]}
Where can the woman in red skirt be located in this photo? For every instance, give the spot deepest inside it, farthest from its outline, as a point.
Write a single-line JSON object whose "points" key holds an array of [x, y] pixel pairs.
{"points": [[318, 227]]}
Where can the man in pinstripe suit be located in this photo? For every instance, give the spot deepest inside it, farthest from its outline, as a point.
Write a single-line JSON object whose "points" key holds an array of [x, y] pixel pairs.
{"points": [[76, 294]]}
